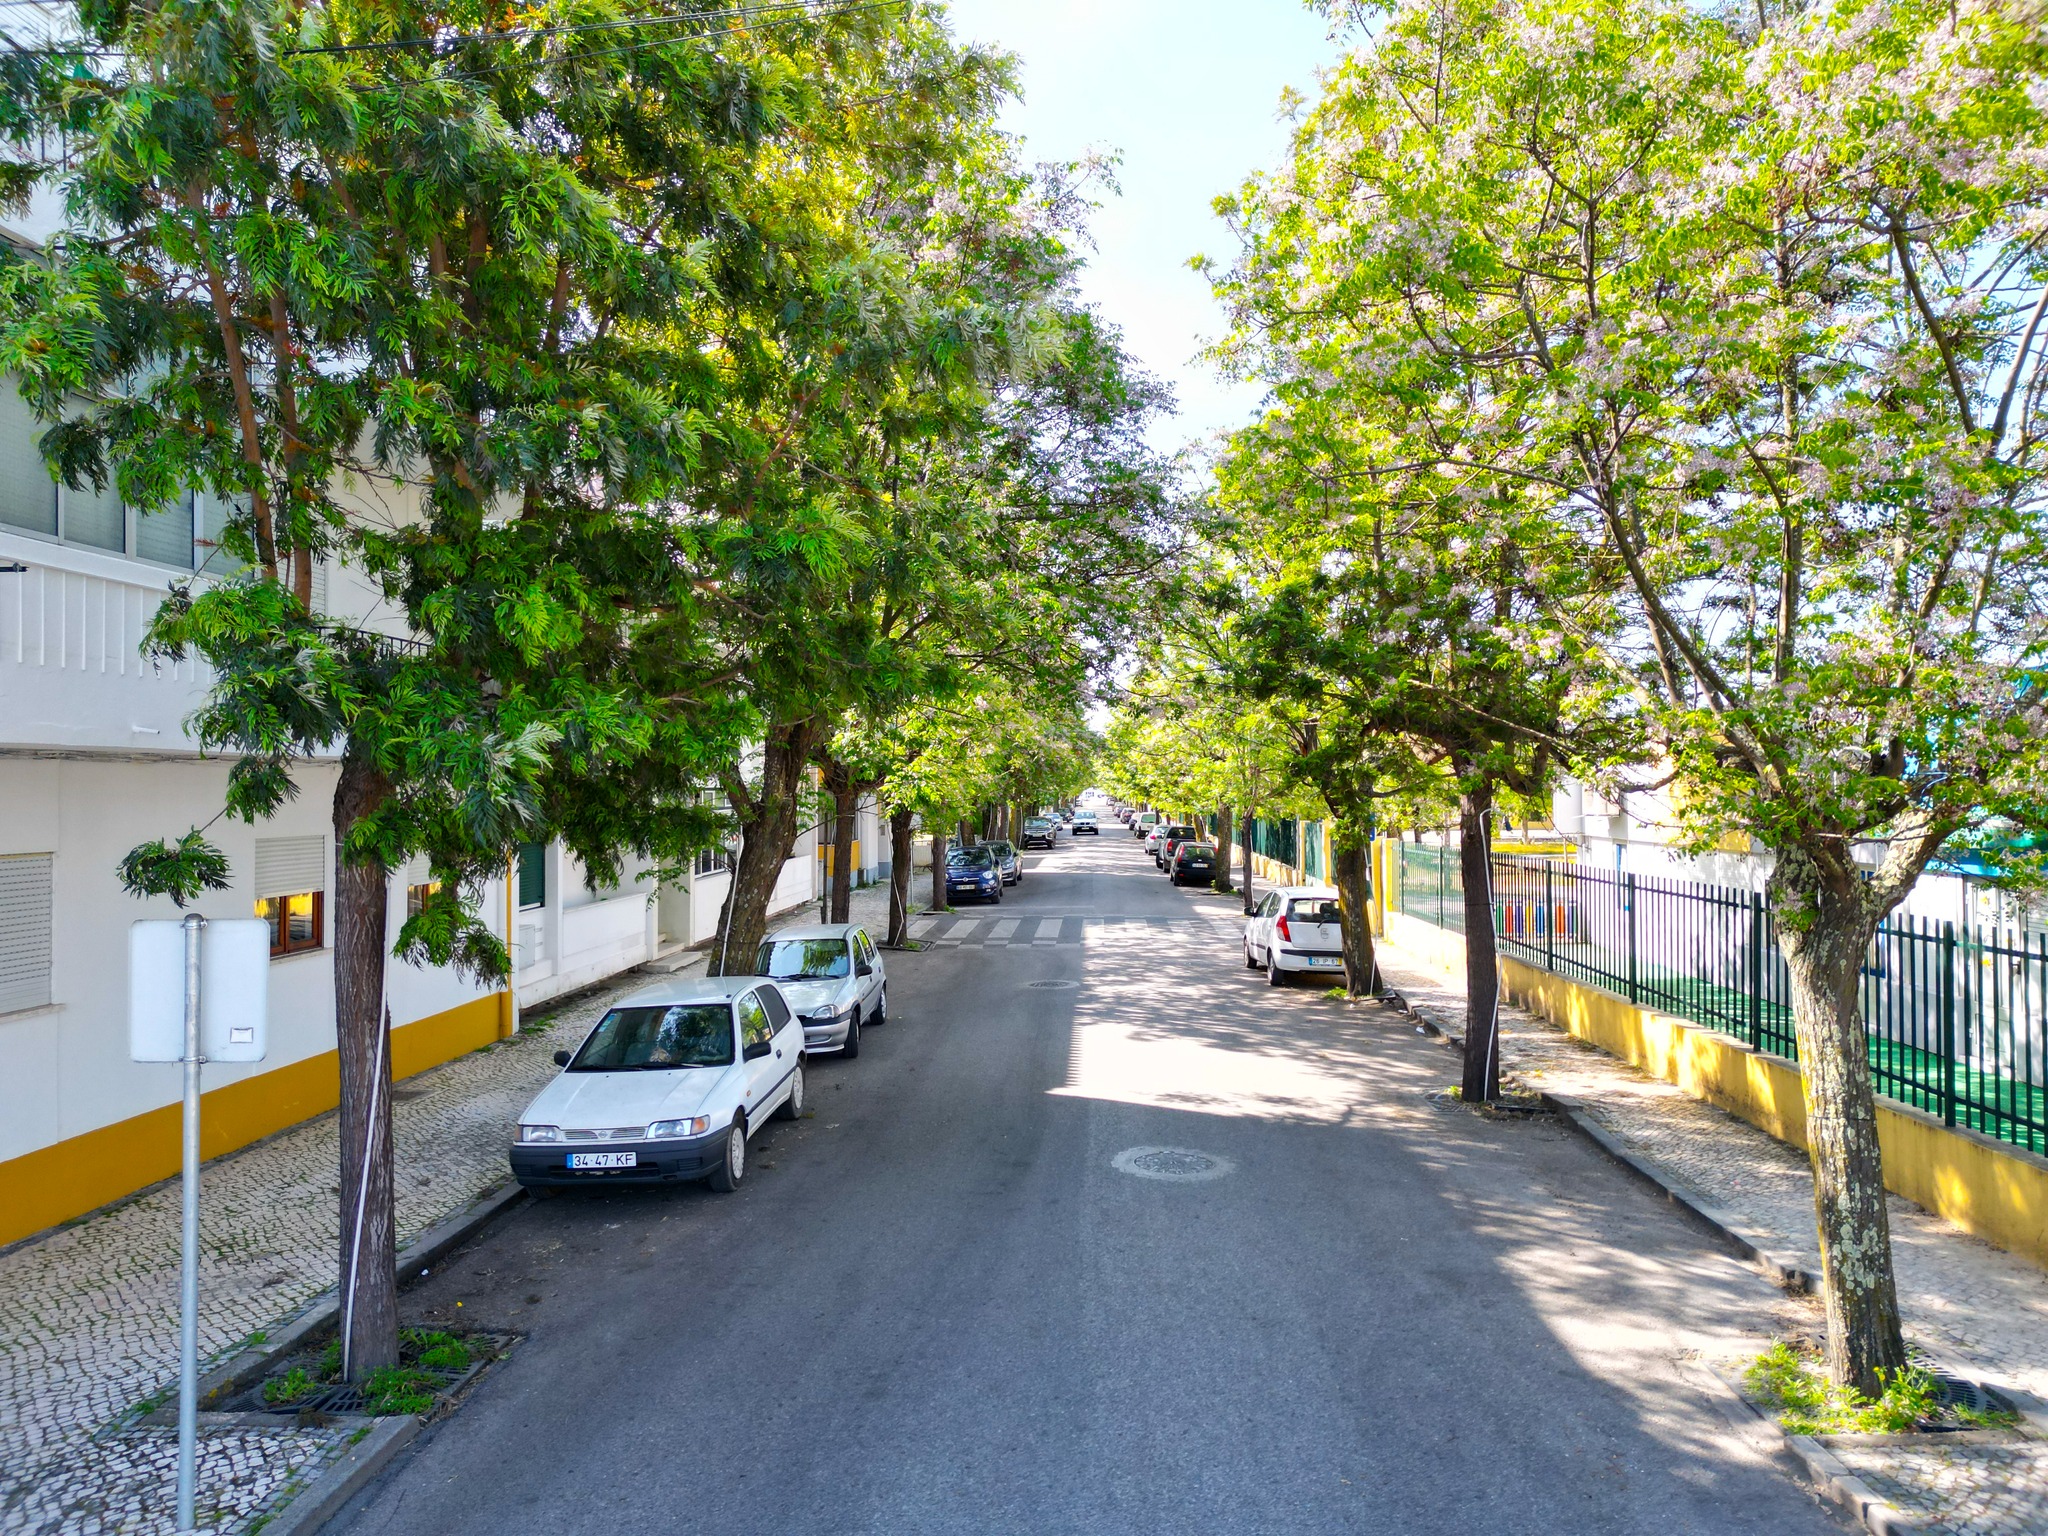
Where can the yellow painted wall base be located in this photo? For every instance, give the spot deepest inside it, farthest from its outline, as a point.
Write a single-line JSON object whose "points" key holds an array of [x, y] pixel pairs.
{"points": [[57, 1183], [1996, 1191]]}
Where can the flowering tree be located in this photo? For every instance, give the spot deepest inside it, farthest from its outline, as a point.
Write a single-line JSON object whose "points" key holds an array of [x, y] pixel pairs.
{"points": [[1755, 316]]}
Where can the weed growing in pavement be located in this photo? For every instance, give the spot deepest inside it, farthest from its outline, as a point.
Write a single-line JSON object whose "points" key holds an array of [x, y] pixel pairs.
{"points": [[1791, 1381], [398, 1389], [294, 1385]]}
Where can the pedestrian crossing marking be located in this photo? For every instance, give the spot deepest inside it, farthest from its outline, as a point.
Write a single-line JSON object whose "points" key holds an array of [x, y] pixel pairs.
{"points": [[1069, 930]]}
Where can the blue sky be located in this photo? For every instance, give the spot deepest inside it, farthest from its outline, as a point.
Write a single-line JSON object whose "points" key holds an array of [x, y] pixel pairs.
{"points": [[1188, 93]]}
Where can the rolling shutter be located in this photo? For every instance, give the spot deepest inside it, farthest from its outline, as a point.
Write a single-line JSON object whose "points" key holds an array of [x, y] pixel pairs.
{"points": [[25, 931], [285, 866]]}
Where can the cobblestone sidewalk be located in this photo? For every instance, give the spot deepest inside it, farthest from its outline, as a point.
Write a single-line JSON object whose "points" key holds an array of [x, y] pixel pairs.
{"points": [[1964, 1300], [89, 1320]]}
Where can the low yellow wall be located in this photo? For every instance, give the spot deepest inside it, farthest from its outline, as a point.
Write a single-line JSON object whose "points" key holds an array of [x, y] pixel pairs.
{"points": [[57, 1183], [1997, 1191]]}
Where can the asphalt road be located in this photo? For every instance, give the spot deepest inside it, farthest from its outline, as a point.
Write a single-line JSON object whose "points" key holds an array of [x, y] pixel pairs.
{"points": [[938, 1306]]}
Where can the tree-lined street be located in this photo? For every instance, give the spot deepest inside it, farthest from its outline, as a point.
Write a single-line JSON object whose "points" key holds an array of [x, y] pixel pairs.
{"points": [[939, 1305]]}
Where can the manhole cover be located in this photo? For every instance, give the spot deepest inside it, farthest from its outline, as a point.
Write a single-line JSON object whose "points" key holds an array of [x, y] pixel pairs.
{"points": [[1052, 986], [1176, 1164]]}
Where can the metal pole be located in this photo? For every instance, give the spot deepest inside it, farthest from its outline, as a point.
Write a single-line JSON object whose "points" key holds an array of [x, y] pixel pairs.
{"points": [[1549, 921], [1756, 971], [188, 1275], [1629, 885], [1948, 1023]]}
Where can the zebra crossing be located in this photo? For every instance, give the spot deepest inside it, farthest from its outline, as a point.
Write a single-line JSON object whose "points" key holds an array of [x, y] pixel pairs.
{"points": [[949, 930]]}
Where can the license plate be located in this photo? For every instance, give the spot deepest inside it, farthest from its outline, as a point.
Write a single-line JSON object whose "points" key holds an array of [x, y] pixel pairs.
{"points": [[604, 1159], [1326, 962]]}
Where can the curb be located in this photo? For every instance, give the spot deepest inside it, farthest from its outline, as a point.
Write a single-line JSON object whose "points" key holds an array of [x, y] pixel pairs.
{"points": [[1831, 1478], [1777, 1267], [243, 1369], [320, 1499]]}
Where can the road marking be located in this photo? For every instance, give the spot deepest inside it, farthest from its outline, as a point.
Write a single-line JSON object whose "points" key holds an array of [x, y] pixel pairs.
{"points": [[960, 930], [1002, 929]]}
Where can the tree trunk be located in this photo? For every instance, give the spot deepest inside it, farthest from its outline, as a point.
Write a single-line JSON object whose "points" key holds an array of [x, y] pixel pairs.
{"points": [[1482, 971], [1222, 880], [1824, 930], [369, 1240], [1244, 838], [1354, 890], [846, 808], [938, 871], [899, 878], [768, 829]]}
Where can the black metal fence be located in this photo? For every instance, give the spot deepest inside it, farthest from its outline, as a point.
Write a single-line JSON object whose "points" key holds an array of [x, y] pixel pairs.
{"points": [[1956, 1015]]}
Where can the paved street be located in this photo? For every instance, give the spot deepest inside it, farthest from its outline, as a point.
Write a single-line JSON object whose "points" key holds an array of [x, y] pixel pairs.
{"points": [[940, 1304]]}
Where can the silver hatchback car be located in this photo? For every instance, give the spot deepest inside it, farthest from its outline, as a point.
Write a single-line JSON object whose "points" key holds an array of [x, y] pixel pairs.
{"points": [[833, 976]]}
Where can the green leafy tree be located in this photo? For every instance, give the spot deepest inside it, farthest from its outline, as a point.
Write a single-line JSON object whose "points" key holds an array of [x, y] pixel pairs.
{"points": [[414, 294]]}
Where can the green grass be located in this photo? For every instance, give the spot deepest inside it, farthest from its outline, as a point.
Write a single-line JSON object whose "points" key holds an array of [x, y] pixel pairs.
{"points": [[293, 1386], [1790, 1381], [398, 1389]]}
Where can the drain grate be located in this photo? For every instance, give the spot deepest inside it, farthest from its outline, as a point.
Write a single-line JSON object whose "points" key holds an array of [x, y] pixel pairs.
{"points": [[1052, 986], [1973, 1396], [1178, 1165]]}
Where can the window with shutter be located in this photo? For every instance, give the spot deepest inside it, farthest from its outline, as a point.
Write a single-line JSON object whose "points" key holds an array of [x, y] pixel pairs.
{"points": [[533, 875], [28, 496], [25, 931], [286, 866]]}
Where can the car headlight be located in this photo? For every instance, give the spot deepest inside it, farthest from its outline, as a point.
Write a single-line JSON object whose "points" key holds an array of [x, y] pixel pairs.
{"points": [[663, 1130], [540, 1133], [830, 1015]]}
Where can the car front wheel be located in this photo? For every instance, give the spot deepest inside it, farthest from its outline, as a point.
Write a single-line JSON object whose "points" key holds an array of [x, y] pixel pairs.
{"points": [[852, 1047], [1249, 963], [732, 1168]]}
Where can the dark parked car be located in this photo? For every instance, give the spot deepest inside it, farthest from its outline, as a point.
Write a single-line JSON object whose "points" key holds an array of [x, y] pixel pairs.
{"points": [[1194, 864], [1171, 839], [971, 874], [1007, 861], [1039, 833]]}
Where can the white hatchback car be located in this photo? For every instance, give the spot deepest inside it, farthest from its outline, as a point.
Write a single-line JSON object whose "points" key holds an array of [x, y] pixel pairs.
{"points": [[832, 975], [669, 1086], [1296, 929]]}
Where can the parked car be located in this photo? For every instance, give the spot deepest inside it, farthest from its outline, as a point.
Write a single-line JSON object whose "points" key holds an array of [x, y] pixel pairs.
{"points": [[1171, 838], [669, 1086], [1084, 821], [832, 975], [1152, 836], [1194, 863], [972, 873], [1039, 833], [1294, 930], [1007, 861], [1143, 823]]}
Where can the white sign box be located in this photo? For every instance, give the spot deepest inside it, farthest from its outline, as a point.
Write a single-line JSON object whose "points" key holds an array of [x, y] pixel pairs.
{"points": [[234, 989]]}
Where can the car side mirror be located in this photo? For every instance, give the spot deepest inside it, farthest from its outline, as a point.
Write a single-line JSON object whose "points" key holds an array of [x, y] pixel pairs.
{"points": [[561, 1058], [865, 969], [756, 1051]]}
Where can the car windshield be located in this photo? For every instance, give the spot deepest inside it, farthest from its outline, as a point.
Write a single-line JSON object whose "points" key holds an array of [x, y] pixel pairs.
{"points": [[1195, 850], [801, 959], [658, 1038], [1314, 909], [1178, 834], [970, 858], [1036, 825], [1000, 850]]}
